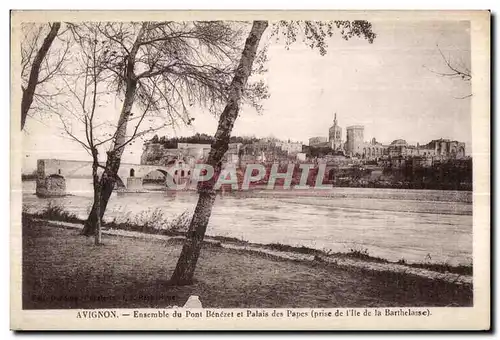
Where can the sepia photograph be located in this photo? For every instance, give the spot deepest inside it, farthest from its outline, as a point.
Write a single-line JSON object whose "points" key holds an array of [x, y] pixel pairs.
{"points": [[245, 167]]}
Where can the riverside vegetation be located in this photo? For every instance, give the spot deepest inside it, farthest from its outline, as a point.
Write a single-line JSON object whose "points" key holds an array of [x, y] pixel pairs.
{"points": [[60, 271], [154, 221], [135, 271]]}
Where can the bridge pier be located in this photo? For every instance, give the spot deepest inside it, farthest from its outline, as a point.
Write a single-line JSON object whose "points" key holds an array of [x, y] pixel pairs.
{"points": [[134, 184], [51, 186]]}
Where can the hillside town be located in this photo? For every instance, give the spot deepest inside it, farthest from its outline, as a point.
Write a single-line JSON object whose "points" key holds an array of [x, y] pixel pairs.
{"points": [[292, 167], [351, 161]]}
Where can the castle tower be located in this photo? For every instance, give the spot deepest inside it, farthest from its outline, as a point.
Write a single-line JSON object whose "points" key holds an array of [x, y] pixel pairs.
{"points": [[355, 140], [335, 135]]}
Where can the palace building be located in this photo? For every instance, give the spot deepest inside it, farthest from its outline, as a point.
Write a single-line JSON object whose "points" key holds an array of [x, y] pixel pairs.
{"points": [[356, 146]]}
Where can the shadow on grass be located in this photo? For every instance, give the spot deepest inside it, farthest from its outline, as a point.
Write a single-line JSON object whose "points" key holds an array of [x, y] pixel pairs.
{"points": [[62, 269], [178, 227]]}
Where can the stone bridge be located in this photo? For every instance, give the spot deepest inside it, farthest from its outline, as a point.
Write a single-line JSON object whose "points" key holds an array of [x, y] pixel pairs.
{"points": [[52, 174]]}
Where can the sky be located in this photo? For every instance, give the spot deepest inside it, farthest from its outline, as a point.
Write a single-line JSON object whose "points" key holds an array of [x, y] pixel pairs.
{"points": [[391, 87]]}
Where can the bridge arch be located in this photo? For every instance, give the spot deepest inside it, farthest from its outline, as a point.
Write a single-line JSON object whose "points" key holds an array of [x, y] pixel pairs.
{"points": [[119, 184], [164, 172]]}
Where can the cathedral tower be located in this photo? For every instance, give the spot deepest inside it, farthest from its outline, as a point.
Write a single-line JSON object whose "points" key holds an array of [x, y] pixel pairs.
{"points": [[335, 135]]}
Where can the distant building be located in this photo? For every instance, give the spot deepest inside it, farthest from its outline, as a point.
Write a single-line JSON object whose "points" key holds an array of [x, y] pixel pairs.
{"points": [[292, 148], [355, 146], [317, 141], [373, 150], [158, 154], [272, 149], [234, 153], [301, 157], [445, 148], [398, 147], [355, 140], [334, 140], [234, 148], [438, 149], [197, 151], [335, 136]]}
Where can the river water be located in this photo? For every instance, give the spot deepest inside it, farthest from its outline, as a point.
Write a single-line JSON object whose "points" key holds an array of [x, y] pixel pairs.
{"points": [[415, 225]]}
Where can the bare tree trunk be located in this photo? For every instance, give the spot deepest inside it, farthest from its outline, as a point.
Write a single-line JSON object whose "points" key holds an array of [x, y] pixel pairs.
{"points": [[99, 206], [186, 265], [113, 161], [29, 91], [106, 186], [97, 194]]}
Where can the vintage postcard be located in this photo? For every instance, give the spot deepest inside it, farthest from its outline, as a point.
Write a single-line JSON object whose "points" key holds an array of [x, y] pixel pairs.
{"points": [[250, 170]]}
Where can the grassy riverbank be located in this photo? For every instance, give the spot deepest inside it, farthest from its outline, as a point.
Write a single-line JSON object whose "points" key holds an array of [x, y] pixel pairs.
{"points": [[62, 269], [155, 223]]}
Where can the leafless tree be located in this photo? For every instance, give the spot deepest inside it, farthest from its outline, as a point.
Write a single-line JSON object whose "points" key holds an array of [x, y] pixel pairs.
{"points": [[83, 107], [87, 91], [454, 70], [40, 63], [163, 68], [315, 34]]}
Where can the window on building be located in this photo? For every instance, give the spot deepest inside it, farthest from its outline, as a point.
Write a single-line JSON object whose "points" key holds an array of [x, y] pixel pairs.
{"points": [[132, 172]]}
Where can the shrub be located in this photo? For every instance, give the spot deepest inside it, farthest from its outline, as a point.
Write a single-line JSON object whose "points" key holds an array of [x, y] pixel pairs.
{"points": [[57, 213], [359, 253], [152, 221]]}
